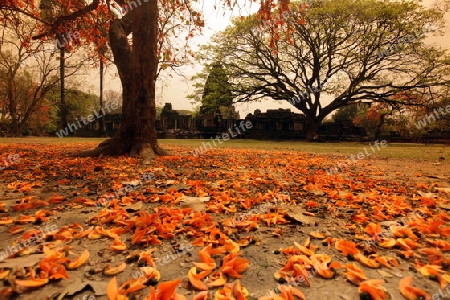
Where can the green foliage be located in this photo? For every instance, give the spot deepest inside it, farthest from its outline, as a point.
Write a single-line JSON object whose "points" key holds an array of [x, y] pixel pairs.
{"points": [[216, 91], [346, 113], [79, 104], [213, 91]]}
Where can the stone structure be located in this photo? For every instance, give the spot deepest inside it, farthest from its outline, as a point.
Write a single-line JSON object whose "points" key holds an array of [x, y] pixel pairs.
{"points": [[273, 124], [276, 123], [173, 119]]}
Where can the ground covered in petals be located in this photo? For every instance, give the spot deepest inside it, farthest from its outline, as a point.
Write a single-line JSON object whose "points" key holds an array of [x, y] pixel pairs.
{"points": [[233, 223]]}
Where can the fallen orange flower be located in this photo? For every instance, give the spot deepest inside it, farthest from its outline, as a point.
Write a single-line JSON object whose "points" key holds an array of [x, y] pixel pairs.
{"points": [[118, 245], [201, 296], [107, 270], [6, 220], [32, 283], [373, 288], [319, 262], [354, 274], [112, 291], [195, 279], [411, 292], [346, 247], [368, 262], [81, 260], [220, 281], [291, 293], [432, 272], [233, 266], [232, 291], [373, 229]]}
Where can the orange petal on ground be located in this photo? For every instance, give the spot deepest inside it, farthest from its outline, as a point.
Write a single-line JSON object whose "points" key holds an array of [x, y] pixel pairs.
{"points": [[218, 282], [289, 292], [233, 265], [6, 220], [337, 265], [232, 246], [387, 243], [118, 245], [410, 292], [201, 296], [373, 229], [32, 283], [151, 273], [198, 242], [84, 233], [320, 264], [59, 272], [25, 219], [113, 271], [432, 270], [239, 292], [16, 229], [374, 289], [317, 235], [407, 253], [112, 289], [303, 249], [301, 274], [205, 256], [368, 262], [167, 290], [384, 261], [4, 274], [134, 287], [196, 283], [354, 274], [206, 266], [79, 261], [346, 247]]}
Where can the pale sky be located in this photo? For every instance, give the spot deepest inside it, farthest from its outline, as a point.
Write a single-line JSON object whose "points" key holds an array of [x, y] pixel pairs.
{"points": [[175, 89]]}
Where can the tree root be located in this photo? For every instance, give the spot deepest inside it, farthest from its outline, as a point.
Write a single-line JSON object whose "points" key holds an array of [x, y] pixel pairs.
{"points": [[115, 147]]}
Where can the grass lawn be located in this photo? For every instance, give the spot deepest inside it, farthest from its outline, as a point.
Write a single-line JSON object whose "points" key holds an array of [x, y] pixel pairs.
{"points": [[430, 152]]}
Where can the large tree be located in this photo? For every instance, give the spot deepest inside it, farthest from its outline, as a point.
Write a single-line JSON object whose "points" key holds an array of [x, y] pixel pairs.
{"points": [[350, 50], [213, 91], [217, 91], [135, 40]]}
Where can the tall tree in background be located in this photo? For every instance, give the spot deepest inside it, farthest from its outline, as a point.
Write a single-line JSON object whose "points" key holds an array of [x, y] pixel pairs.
{"points": [[217, 90], [213, 91], [48, 10], [27, 70], [350, 50], [136, 59]]}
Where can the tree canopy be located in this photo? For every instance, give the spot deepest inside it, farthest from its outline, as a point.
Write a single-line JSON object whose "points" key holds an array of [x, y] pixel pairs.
{"points": [[352, 51], [139, 36], [216, 91], [213, 91]]}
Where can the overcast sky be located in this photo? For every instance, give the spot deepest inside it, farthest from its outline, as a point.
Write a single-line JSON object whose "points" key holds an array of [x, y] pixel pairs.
{"points": [[175, 89]]}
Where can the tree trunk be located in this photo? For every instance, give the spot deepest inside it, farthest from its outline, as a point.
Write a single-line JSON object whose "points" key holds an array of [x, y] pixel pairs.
{"points": [[137, 66], [380, 124], [12, 106], [102, 129], [62, 67], [312, 128]]}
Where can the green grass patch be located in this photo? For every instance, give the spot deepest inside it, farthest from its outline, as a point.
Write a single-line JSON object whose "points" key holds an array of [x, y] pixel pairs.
{"points": [[429, 152]]}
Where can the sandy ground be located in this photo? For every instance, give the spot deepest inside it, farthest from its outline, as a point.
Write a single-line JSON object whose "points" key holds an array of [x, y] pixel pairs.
{"points": [[258, 171]]}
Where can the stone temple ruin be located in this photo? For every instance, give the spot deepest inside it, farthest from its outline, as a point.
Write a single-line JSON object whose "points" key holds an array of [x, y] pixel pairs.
{"points": [[272, 124]]}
